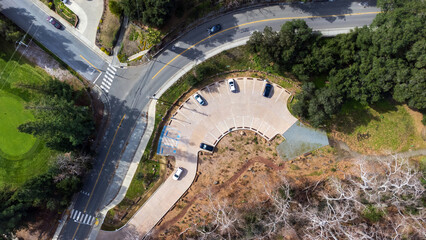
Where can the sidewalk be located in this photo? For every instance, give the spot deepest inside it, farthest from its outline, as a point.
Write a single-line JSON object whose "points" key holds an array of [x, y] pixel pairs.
{"points": [[89, 13], [126, 169], [73, 30]]}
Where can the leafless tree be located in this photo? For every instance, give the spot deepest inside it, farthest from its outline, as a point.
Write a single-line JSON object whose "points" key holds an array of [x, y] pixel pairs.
{"points": [[71, 165], [280, 213]]}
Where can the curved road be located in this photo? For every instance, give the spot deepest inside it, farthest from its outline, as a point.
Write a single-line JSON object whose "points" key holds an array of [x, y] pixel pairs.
{"points": [[130, 91]]}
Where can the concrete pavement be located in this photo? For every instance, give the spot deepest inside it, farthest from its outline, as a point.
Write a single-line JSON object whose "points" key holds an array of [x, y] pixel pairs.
{"points": [[89, 13], [192, 124], [130, 90]]}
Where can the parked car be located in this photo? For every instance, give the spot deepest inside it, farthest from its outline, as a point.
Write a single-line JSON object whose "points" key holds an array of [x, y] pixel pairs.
{"points": [[199, 99], [177, 174], [231, 83], [54, 22], [267, 90], [214, 29], [206, 147]]}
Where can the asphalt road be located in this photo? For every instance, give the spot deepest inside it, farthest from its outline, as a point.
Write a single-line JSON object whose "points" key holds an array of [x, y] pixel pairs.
{"points": [[131, 88]]}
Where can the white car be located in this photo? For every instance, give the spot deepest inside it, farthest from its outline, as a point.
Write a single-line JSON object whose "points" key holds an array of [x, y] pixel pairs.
{"points": [[231, 83], [177, 174], [199, 99]]}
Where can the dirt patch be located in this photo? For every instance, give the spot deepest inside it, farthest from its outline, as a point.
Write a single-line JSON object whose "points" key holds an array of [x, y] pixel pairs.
{"points": [[43, 227], [108, 28], [39, 57], [417, 118], [243, 165]]}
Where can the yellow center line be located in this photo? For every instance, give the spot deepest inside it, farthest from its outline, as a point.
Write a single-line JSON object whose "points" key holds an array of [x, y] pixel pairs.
{"points": [[264, 20], [97, 179], [90, 63]]}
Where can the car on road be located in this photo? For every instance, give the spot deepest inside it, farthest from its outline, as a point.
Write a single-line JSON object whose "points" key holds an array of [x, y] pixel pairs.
{"points": [[267, 89], [206, 147], [199, 99], [177, 174], [54, 22], [214, 29], [231, 83]]}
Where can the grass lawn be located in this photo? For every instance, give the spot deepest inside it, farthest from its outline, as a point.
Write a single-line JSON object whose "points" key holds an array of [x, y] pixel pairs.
{"points": [[21, 155], [12, 114], [379, 128]]}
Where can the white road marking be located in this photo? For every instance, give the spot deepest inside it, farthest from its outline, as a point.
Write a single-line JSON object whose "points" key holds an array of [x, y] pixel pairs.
{"points": [[109, 74], [103, 84], [282, 90], [84, 219], [115, 69], [78, 216]]}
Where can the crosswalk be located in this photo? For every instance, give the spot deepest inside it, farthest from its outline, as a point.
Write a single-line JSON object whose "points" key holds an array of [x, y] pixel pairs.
{"points": [[85, 193], [108, 78], [82, 218]]}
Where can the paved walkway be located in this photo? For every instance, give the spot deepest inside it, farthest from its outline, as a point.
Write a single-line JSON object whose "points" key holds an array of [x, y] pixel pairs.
{"points": [[89, 14], [192, 124]]}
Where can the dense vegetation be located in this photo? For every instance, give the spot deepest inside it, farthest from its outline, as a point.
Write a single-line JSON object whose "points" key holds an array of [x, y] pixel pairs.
{"points": [[61, 121], [150, 12], [368, 64], [53, 114]]}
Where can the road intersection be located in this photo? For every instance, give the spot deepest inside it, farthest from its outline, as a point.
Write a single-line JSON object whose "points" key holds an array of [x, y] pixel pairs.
{"points": [[130, 91]]}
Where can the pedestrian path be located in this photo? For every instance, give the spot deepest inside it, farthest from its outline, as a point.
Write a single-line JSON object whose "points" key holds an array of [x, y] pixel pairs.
{"points": [[108, 78], [82, 218]]}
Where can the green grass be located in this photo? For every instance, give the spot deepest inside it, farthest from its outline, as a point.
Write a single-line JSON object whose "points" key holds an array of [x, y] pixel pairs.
{"points": [[12, 114], [21, 156], [385, 126]]}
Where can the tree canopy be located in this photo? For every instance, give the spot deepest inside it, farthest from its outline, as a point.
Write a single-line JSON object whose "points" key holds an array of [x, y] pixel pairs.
{"points": [[370, 63], [150, 12]]}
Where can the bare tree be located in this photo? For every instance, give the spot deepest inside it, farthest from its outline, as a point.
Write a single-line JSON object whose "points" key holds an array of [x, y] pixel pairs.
{"points": [[71, 165]]}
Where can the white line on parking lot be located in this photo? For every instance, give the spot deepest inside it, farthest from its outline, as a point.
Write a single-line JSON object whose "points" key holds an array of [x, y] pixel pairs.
{"points": [[282, 90]]}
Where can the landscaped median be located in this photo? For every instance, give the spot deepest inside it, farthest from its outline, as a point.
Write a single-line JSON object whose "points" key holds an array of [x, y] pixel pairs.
{"points": [[60, 8]]}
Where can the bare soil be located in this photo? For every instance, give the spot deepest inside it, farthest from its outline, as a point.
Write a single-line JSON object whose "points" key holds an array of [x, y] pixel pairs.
{"points": [[108, 28], [241, 168], [131, 47], [39, 57], [42, 228]]}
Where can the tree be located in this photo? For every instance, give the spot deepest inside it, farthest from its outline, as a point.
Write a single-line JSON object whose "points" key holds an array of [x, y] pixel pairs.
{"points": [[151, 12], [115, 8]]}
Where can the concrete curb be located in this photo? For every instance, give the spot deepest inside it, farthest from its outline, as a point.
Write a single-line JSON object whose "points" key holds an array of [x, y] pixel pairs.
{"points": [[71, 29], [130, 172], [151, 120]]}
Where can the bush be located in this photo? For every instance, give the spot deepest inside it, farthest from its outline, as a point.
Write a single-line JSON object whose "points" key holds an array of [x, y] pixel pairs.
{"points": [[373, 214], [115, 8], [50, 4], [192, 80]]}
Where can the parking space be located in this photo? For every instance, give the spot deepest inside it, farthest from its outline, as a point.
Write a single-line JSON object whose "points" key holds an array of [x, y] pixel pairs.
{"points": [[225, 111], [192, 124]]}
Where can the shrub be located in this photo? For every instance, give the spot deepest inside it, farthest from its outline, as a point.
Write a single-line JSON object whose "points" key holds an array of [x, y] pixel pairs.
{"points": [[50, 4], [115, 8], [373, 214], [192, 80]]}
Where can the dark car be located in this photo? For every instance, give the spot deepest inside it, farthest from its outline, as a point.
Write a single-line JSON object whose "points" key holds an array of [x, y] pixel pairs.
{"points": [[216, 28], [267, 90], [206, 147], [54, 22]]}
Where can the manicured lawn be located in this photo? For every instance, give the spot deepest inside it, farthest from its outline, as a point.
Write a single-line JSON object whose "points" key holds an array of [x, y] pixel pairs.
{"points": [[21, 155], [382, 127], [12, 114]]}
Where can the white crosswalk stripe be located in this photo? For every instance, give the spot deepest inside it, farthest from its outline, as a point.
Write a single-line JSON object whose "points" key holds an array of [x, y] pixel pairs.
{"points": [[107, 82], [108, 78], [103, 84], [112, 67], [111, 71], [82, 218]]}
